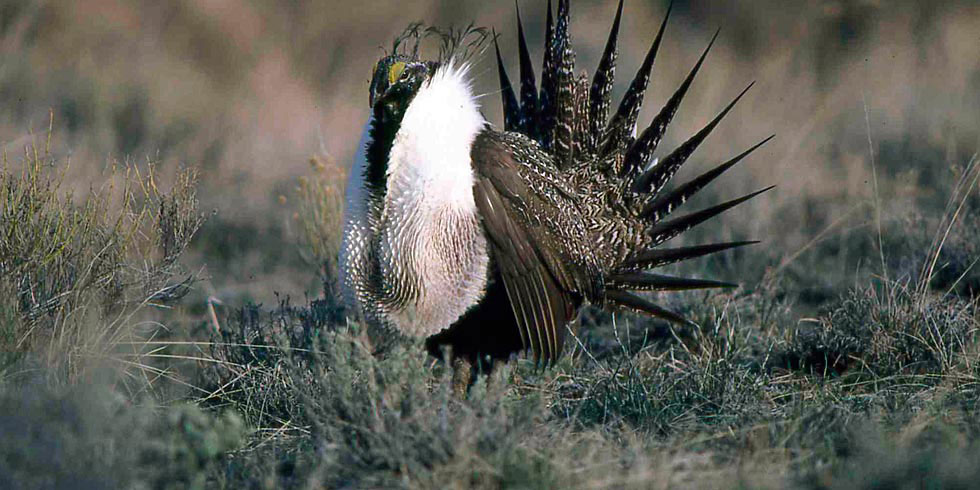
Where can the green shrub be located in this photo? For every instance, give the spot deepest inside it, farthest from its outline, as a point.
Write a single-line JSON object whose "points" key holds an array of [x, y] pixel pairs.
{"points": [[886, 331], [76, 272], [90, 437], [319, 215]]}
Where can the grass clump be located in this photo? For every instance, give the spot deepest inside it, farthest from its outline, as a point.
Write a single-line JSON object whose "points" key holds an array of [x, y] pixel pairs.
{"points": [[91, 437], [252, 360], [319, 216], [362, 420], [927, 453], [74, 272], [887, 331], [307, 380], [78, 277]]}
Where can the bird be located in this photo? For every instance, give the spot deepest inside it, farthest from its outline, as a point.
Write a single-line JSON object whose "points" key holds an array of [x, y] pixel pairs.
{"points": [[487, 241]]}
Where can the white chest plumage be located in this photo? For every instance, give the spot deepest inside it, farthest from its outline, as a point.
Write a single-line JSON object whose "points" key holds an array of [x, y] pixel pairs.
{"points": [[416, 259]]}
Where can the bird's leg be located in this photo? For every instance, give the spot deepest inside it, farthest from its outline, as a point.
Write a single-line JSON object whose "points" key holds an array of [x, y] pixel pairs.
{"points": [[462, 376]]}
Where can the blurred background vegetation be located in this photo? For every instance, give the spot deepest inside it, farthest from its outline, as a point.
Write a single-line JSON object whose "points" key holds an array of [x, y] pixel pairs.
{"points": [[248, 92], [171, 167]]}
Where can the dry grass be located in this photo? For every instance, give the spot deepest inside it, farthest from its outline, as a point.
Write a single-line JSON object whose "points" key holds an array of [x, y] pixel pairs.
{"points": [[847, 359], [77, 274], [318, 216]]}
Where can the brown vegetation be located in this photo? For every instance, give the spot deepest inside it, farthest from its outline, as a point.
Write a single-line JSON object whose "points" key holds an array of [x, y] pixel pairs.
{"points": [[142, 346]]}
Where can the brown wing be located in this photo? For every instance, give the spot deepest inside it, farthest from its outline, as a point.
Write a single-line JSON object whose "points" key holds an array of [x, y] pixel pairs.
{"points": [[525, 213]]}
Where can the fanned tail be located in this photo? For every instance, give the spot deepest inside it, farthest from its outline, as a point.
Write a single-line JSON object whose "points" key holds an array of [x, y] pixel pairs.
{"points": [[623, 184], [529, 88], [549, 87], [512, 110], [618, 133], [642, 150], [602, 83]]}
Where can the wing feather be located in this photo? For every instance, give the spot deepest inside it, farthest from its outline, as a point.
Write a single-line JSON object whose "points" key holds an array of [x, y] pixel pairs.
{"points": [[515, 198]]}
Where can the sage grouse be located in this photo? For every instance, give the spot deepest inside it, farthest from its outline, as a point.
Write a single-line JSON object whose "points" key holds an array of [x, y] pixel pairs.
{"points": [[489, 241]]}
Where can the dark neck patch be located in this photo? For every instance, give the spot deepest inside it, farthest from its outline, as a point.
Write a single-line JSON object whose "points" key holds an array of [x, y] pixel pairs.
{"points": [[382, 133], [388, 114]]}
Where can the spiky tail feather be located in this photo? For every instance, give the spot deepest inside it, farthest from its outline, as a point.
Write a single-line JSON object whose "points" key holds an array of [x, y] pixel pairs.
{"points": [[616, 171]]}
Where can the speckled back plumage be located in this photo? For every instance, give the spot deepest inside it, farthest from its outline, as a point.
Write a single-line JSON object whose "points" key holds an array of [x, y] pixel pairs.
{"points": [[622, 201]]}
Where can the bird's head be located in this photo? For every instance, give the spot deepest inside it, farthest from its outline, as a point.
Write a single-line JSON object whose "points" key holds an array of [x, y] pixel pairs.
{"points": [[396, 80]]}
